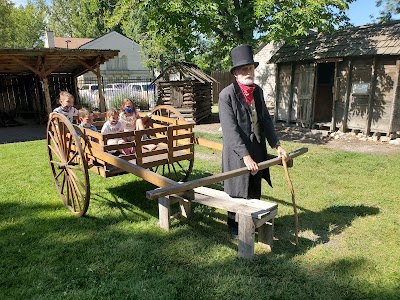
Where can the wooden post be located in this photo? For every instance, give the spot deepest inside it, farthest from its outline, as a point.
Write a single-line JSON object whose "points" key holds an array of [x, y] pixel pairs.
{"points": [[395, 103], [277, 70], [246, 236], [164, 212], [102, 102], [45, 86], [336, 87], [371, 97], [347, 97], [266, 234], [185, 206], [290, 104]]}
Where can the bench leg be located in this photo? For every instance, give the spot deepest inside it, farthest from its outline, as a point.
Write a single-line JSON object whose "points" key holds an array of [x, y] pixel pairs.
{"points": [[246, 236], [266, 233], [185, 208], [164, 212]]}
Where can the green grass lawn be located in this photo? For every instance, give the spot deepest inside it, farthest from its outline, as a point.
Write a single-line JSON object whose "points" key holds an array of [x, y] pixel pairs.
{"points": [[348, 207]]}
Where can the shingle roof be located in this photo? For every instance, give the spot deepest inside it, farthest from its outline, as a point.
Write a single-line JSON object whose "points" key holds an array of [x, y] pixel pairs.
{"points": [[73, 43], [188, 70], [368, 40]]}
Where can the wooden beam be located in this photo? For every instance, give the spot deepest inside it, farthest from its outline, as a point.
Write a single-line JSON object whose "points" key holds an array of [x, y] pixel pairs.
{"points": [[102, 101], [371, 97], [145, 174], [289, 114], [277, 70], [395, 100], [22, 63], [45, 86], [53, 68], [87, 66], [347, 95], [336, 87], [154, 194]]}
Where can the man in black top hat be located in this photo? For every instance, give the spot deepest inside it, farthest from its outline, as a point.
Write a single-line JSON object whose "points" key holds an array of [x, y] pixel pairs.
{"points": [[246, 125]]}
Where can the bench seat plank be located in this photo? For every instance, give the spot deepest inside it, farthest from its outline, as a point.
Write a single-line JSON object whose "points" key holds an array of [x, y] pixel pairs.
{"points": [[219, 199]]}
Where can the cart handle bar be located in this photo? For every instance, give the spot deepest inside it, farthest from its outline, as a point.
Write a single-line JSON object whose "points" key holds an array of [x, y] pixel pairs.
{"points": [[182, 187]]}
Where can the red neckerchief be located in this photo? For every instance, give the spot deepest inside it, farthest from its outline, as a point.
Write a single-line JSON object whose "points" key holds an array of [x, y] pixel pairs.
{"points": [[248, 91]]}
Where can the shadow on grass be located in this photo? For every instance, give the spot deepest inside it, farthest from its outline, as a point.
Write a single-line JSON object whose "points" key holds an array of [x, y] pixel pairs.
{"points": [[68, 257], [315, 227], [132, 195]]}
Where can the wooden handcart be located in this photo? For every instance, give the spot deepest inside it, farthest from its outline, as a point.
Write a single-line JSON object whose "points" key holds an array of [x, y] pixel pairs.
{"points": [[74, 151]]}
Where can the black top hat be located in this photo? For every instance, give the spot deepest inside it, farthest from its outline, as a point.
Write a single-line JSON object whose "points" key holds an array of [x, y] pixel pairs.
{"points": [[242, 55]]}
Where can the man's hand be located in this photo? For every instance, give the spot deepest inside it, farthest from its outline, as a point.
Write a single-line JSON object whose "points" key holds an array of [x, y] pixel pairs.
{"points": [[250, 164], [282, 153]]}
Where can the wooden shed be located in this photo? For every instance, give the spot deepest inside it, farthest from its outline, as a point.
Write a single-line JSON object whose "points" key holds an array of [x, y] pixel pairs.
{"points": [[347, 80], [187, 88], [31, 79]]}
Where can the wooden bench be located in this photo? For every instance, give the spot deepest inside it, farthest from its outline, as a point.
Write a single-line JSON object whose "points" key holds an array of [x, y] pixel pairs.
{"points": [[250, 213]]}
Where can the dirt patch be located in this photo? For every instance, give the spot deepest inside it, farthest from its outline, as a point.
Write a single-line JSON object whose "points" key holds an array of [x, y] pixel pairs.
{"points": [[347, 141]]}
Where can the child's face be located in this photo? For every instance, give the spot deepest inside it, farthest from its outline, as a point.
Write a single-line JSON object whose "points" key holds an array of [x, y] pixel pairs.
{"points": [[67, 103], [128, 107], [86, 121], [113, 119]]}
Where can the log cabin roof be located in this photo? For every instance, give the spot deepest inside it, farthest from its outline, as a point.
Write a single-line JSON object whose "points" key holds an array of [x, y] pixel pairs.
{"points": [[46, 61], [187, 71], [367, 40]]}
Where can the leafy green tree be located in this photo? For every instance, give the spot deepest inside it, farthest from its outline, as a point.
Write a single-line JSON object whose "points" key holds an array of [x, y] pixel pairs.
{"points": [[390, 8], [81, 18], [204, 31], [23, 26], [6, 22], [29, 24]]}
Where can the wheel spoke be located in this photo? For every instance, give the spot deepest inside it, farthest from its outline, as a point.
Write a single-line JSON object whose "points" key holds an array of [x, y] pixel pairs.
{"points": [[61, 171], [75, 177], [63, 182], [176, 173], [76, 190], [74, 195], [56, 150]]}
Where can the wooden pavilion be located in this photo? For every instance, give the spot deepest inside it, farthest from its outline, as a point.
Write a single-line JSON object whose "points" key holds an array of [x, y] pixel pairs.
{"points": [[31, 79]]}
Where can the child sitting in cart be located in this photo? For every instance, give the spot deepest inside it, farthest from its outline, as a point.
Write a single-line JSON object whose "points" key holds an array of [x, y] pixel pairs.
{"points": [[132, 121], [114, 125], [66, 107], [86, 119]]}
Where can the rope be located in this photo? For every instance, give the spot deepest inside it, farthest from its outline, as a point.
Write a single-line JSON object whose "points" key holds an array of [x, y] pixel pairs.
{"points": [[296, 219]]}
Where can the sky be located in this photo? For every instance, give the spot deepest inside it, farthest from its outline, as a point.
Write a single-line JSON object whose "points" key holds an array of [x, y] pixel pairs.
{"points": [[359, 11]]}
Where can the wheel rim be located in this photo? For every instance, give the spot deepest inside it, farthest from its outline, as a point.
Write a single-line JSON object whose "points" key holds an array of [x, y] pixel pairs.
{"points": [[180, 170], [68, 164]]}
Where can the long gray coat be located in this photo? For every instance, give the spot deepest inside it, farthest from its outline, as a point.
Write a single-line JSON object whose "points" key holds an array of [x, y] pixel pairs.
{"points": [[235, 118]]}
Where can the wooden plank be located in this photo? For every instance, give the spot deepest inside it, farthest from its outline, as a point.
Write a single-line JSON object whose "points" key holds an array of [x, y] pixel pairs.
{"points": [[208, 144], [254, 208], [347, 95], [371, 97], [246, 236], [395, 100], [164, 212], [266, 234], [154, 194], [139, 171]]}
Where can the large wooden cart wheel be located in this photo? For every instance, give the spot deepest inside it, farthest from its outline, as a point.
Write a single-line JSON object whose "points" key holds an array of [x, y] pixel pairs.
{"points": [[68, 164], [180, 170]]}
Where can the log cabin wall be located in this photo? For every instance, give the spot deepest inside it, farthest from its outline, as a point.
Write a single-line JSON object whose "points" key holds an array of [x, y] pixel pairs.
{"points": [[361, 91], [190, 92]]}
